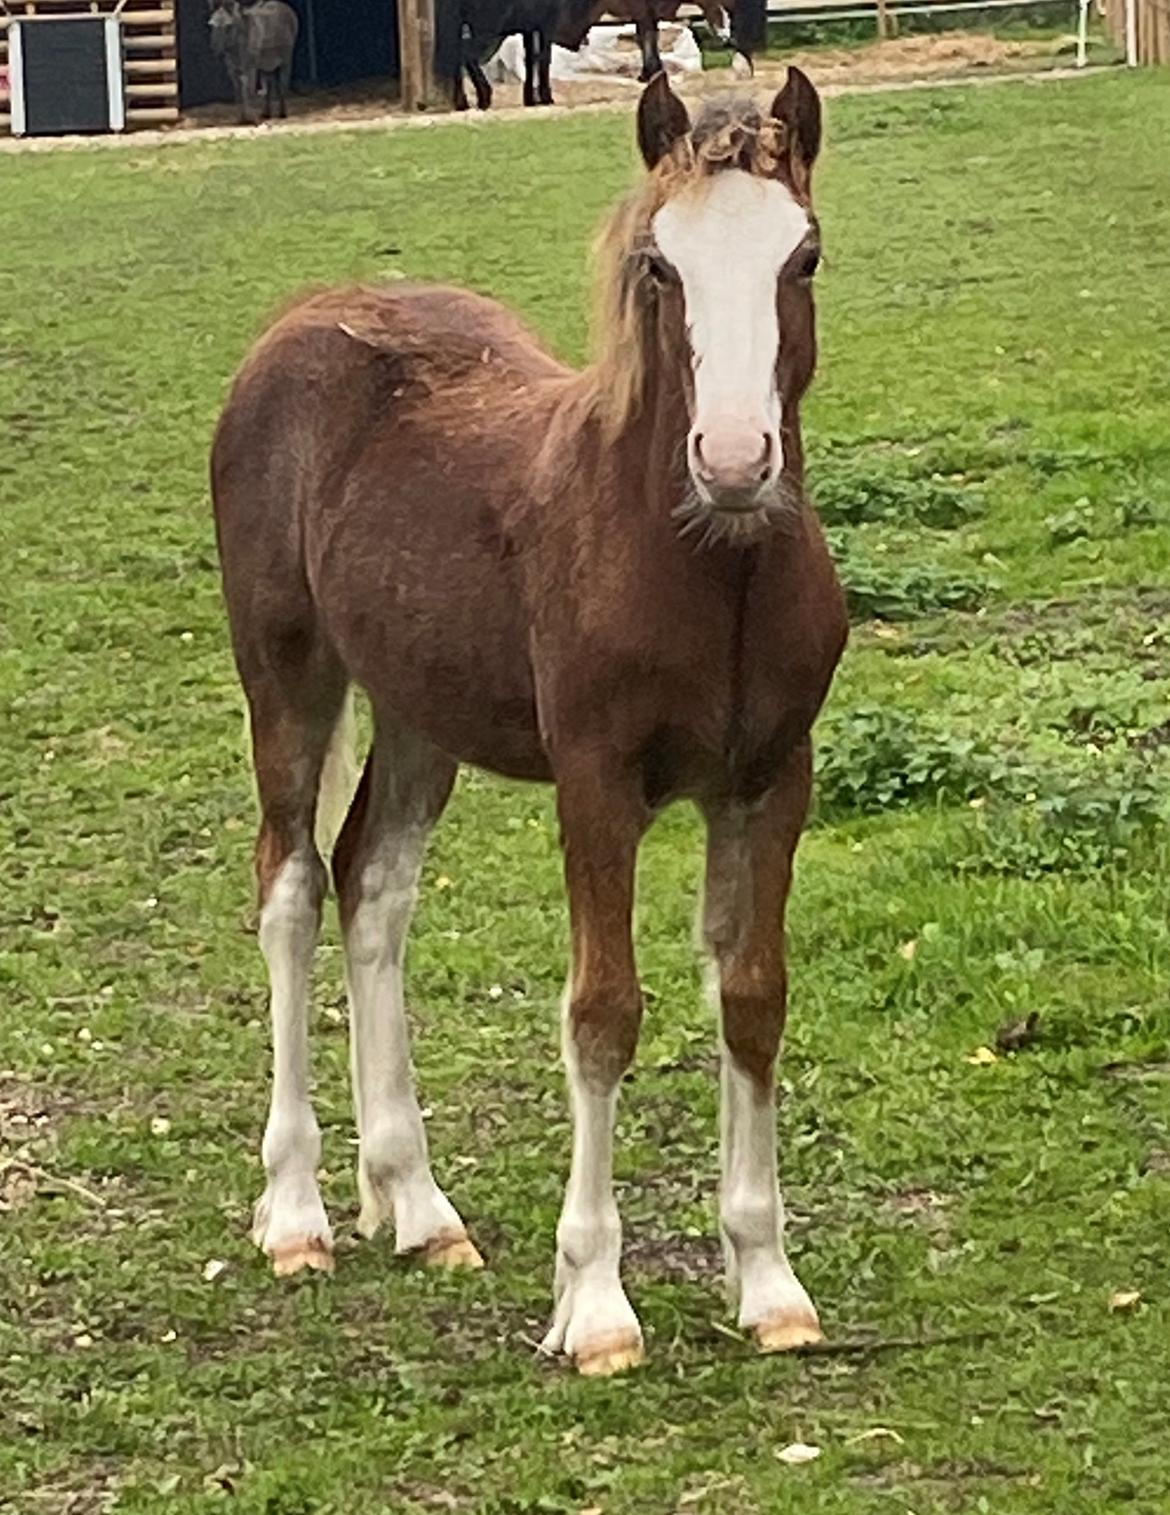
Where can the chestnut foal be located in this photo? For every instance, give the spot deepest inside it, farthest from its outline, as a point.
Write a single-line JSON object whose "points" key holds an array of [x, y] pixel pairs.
{"points": [[610, 579]]}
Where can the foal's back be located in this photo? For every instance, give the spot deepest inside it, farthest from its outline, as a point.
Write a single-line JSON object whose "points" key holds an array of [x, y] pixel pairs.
{"points": [[363, 472]]}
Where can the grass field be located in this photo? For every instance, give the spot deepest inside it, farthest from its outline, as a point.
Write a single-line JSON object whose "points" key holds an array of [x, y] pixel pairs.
{"points": [[991, 448]]}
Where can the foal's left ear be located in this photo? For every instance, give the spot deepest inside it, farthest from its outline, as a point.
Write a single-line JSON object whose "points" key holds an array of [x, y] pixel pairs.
{"points": [[662, 120], [798, 106]]}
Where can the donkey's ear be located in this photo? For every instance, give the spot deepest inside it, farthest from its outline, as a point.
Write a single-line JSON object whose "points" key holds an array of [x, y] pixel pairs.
{"points": [[798, 106], [662, 120]]}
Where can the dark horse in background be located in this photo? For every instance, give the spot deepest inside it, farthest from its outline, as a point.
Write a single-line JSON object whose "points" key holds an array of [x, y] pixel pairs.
{"points": [[483, 25], [255, 44]]}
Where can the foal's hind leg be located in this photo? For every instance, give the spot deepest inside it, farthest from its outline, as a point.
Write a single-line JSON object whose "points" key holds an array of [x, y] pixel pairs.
{"points": [[376, 866], [749, 870], [290, 739]]}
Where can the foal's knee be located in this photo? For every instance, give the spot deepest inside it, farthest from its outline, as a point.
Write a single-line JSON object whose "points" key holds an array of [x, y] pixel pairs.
{"points": [[291, 880], [602, 1028], [753, 1023]]}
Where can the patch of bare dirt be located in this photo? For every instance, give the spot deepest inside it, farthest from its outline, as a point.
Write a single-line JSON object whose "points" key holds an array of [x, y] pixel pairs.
{"points": [[25, 1135], [687, 1259], [903, 58], [921, 1207]]}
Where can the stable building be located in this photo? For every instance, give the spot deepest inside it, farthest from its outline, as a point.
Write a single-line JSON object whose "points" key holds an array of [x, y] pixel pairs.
{"points": [[113, 65]]}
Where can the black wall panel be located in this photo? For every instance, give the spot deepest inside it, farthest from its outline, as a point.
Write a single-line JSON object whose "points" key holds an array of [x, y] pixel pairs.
{"points": [[66, 88]]}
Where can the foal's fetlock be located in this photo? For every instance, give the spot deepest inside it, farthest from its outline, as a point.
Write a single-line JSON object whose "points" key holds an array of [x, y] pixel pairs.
{"points": [[290, 1227], [774, 1306], [593, 1323], [427, 1225]]}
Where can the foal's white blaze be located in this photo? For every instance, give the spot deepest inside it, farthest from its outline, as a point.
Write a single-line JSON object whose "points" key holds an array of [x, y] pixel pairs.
{"points": [[728, 238]]}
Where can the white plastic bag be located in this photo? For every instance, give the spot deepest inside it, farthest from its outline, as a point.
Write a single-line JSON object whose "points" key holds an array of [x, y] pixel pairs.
{"points": [[607, 52]]}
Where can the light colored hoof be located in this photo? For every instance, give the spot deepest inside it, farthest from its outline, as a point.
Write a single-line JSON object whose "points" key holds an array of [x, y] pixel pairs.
{"points": [[451, 1252], [609, 1355], [306, 1252], [785, 1333]]}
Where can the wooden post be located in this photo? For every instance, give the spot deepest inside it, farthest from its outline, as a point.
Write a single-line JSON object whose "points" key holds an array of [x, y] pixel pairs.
{"points": [[883, 20], [409, 55], [416, 53], [426, 47]]}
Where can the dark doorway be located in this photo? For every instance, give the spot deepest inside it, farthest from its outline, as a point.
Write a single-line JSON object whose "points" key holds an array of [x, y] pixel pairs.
{"points": [[339, 41]]}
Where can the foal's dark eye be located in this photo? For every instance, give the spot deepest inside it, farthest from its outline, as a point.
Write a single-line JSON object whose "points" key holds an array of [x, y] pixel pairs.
{"points": [[810, 263]]}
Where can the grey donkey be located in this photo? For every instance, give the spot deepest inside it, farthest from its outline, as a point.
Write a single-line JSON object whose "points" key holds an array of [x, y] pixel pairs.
{"points": [[256, 45]]}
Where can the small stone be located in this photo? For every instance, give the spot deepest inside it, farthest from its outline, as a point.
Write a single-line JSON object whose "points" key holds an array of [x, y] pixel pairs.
{"points": [[797, 1452]]}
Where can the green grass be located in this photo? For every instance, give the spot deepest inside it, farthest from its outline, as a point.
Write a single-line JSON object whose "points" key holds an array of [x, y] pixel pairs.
{"points": [[992, 414]]}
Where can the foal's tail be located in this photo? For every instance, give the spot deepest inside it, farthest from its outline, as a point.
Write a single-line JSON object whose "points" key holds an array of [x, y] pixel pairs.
{"points": [[339, 778]]}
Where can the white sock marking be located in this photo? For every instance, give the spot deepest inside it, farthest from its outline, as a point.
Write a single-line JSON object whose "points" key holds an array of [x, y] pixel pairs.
{"points": [[590, 1302], [750, 1208], [291, 1208], [394, 1167]]}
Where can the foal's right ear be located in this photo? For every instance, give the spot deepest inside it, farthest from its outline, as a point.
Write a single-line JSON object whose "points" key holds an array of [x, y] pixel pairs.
{"points": [[662, 120]]}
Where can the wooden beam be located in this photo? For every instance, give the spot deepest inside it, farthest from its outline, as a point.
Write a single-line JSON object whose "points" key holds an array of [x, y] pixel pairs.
{"points": [[416, 53], [149, 42], [141, 91], [151, 115]]}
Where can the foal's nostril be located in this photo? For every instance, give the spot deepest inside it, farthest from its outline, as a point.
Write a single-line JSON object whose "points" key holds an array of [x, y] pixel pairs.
{"points": [[699, 459], [765, 470]]}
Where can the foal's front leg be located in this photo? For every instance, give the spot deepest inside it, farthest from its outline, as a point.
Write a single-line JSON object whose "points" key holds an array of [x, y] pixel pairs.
{"points": [[601, 825], [749, 870]]}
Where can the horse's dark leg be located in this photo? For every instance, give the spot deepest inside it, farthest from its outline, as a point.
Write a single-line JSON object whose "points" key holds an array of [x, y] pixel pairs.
{"points": [[249, 101], [240, 90], [749, 870], [285, 78], [458, 92], [483, 90], [268, 85], [647, 28], [602, 814], [544, 92], [530, 45]]}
